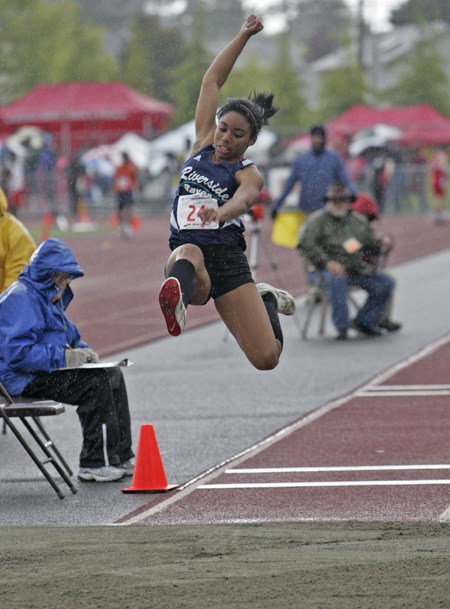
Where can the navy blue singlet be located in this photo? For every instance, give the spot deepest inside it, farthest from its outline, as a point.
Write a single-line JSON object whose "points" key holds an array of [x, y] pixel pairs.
{"points": [[200, 176]]}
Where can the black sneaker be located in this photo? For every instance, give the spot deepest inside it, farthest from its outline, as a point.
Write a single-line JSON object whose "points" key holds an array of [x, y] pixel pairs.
{"points": [[389, 326], [342, 335], [370, 331]]}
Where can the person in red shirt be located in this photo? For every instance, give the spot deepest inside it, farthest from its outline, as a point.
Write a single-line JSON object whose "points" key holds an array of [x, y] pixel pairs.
{"points": [[124, 184], [439, 183]]}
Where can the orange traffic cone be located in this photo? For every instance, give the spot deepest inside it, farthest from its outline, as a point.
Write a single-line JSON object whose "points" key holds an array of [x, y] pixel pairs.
{"points": [[47, 224], [149, 476]]}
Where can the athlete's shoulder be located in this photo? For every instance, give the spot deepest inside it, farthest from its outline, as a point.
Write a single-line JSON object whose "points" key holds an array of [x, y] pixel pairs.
{"points": [[203, 153]]}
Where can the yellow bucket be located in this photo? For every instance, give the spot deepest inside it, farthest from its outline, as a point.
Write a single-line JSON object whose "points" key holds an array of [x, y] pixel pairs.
{"points": [[286, 227]]}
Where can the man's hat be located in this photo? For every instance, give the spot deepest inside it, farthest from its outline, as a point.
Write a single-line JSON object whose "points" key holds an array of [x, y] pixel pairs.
{"points": [[339, 192]]}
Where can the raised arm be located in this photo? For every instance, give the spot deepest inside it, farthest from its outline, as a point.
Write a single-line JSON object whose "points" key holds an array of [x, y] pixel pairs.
{"points": [[215, 77]]}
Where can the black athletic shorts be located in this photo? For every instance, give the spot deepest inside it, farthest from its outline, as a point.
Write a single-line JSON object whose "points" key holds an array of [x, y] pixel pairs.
{"points": [[227, 266]]}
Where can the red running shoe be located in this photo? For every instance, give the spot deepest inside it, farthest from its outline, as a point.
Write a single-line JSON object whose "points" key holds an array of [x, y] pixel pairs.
{"points": [[172, 306]]}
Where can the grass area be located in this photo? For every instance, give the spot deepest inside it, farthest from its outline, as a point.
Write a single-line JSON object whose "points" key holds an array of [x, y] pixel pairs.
{"points": [[97, 228]]}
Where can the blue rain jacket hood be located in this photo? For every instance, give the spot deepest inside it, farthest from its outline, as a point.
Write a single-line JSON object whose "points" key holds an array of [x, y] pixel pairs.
{"points": [[34, 332]]}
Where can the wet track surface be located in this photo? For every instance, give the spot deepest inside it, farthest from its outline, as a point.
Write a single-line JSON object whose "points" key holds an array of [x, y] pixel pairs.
{"points": [[208, 405]]}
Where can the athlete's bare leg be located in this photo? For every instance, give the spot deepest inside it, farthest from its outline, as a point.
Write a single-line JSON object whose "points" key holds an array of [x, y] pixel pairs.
{"points": [[245, 315], [194, 254]]}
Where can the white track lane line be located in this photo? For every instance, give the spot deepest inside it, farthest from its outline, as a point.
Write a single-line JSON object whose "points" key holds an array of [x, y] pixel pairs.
{"points": [[373, 393], [409, 387], [346, 468], [261, 485]]}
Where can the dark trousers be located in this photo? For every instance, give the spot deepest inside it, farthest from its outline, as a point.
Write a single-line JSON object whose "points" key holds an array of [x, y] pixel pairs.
{"points": [[102, 407]]}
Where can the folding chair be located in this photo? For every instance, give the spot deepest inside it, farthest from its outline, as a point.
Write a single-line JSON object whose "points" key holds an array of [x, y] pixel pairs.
{"points": [[317, 298], [29, 411]]}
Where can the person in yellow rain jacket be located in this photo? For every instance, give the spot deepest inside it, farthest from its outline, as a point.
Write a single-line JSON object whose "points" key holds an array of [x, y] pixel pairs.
{"points": [[16, 245]]}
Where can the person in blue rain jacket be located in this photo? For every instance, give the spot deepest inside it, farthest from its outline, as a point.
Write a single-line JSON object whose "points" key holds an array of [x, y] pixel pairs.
{"points": [[42, 356]]}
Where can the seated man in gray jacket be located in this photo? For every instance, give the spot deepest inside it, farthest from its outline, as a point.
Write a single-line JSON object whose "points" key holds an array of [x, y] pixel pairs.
{"points": [[336, 240]]}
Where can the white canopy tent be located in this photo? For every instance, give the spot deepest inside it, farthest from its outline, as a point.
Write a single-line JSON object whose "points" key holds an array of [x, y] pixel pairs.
{"points": [[162, 153]]}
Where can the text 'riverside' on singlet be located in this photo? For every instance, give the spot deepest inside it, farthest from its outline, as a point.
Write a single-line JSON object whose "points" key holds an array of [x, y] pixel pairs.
{"points": [[214, 183]]}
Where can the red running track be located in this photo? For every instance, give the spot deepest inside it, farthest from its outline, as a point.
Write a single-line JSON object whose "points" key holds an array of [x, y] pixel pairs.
{"points": [[380, 453]]}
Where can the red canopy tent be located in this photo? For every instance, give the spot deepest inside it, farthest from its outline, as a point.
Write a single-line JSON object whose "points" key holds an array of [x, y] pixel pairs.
{"points": [[420, 124], [86, 113]]}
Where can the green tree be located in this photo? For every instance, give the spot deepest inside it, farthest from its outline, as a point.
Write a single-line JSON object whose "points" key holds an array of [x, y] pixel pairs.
{"points": [[246, 78], [420, 11], [424, 79], [293, 112], [340, 89], [42, 42], [187, 76], [150, 56]]}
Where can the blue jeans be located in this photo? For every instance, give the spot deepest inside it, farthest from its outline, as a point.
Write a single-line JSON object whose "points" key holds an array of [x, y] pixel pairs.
{"points": [[378, 287]]}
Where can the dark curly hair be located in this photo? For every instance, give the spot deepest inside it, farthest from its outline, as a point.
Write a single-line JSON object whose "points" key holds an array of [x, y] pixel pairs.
{"points": [[256, 109]]}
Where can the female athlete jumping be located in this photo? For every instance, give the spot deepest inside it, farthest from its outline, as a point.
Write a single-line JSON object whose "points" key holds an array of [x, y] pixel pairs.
{"points": [[217, 185]]}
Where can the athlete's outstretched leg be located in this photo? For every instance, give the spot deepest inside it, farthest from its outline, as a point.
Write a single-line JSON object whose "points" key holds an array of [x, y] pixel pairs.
{"points": [[187, 282]]}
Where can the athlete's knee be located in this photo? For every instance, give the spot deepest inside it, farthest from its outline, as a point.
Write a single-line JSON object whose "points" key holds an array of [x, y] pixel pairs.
{"points": [[267, 359], [189, 251]]}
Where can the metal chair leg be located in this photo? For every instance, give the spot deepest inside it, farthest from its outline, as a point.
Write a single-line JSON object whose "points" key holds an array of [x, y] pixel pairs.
{"points": [[50, 458], [33, 456], [51, 445]]}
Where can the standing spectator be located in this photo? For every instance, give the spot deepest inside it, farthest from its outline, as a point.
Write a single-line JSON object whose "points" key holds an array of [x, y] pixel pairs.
{"points": [[315, 170], [439, 183], [75, 173], [31, 166], [357, 170], [417, 180], [16, 245], [42, 354], [15, 181], [47, 161], [396, 176], [124, 184], [380, 178]]}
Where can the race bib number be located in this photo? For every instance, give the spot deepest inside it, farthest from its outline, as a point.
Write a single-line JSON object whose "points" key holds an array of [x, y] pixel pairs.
{"points": [[188, 213], [351, 245]]}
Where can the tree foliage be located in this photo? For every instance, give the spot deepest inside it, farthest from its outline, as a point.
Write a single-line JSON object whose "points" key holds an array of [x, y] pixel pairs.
{"points": [[341, 89], [188, 75], [421, 11], [279, 79], [322, 25], [424, 79], [286, 85], [150, 55], [42, 42]]}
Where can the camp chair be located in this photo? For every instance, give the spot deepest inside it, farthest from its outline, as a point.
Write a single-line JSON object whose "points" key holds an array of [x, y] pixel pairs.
{"points": [[29, 411], [317, 299]]}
